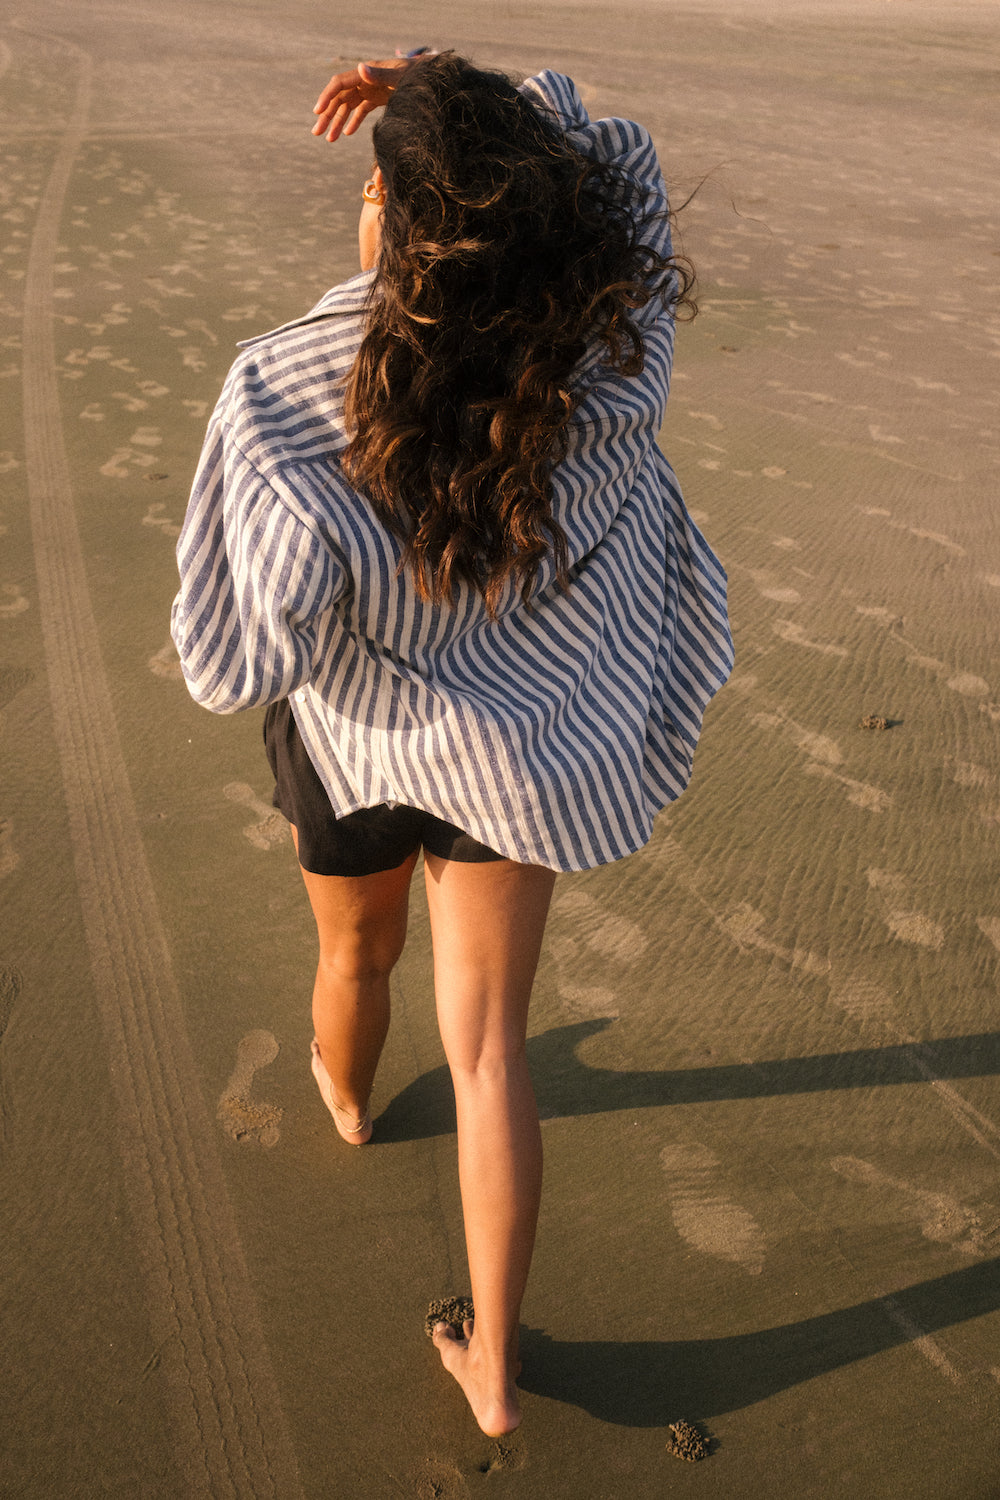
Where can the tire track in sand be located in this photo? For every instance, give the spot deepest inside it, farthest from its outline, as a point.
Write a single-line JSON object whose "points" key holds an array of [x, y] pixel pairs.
{"points": [[229, 1426]]}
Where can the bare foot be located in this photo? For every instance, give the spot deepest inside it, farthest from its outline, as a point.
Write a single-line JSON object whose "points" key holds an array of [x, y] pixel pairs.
{"points": [[493, 1398], [355, 1129]]}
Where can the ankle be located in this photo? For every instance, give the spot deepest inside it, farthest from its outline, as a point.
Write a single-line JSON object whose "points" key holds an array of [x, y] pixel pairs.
{"points": [[494, 1360]]}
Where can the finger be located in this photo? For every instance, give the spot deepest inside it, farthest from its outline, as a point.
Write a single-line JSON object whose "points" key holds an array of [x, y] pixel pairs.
{"points": [[337, 104], [363, 109], [340, 83], [323, 123], [333, 124]]}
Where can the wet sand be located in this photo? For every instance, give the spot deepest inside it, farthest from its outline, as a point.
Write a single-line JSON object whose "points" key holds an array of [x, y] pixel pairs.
{"points": [[765, 1048]]}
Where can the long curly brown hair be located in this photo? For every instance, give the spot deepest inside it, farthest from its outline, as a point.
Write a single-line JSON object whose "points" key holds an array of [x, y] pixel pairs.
{"points": [[504, 252]]}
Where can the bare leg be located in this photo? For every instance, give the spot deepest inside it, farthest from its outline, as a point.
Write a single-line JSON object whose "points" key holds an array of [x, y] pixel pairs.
{"points": [[487, 922], [361, 922]]}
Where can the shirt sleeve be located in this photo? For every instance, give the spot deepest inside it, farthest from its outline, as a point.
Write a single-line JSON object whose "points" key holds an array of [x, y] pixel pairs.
{"points": [[257, 581], [620, 143]]}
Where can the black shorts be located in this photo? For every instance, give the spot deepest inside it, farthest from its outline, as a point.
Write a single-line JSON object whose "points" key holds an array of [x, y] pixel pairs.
{"points": [[362, 843]]}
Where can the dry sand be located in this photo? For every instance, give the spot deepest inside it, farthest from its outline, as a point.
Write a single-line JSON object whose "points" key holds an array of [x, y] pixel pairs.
{"points": [[766, 1048]]}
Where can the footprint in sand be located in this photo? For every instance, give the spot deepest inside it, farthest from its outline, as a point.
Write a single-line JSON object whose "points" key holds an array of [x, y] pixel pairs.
{"points": [[744, 926], [920, 532], [859, 793], [990, 928], [166, 662], [198, 325], [866, 1002], [743, 683], [941, 1218], [904, 925], [117, 465], [270, 829], [153, 517], [879, 613], [166, 289], [597, 937], [817, 746], [789, 631], [969, 685], [249, 311], [966, 683], [967, 773], [824, 755], [703, 1217], [879, 436], [872, 1007], [132, 404], [821, 398], [768, 588], [12, 601], [192, 358], [440, 1480], [244, 1118], [938, 537]]}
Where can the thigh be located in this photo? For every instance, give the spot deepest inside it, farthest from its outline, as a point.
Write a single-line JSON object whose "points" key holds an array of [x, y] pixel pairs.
{"points": [[361, 919], [487, 922]]}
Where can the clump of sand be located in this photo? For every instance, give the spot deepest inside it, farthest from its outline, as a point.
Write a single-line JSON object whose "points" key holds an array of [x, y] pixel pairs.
{"points": [[455, 1311], [686, 1442]]}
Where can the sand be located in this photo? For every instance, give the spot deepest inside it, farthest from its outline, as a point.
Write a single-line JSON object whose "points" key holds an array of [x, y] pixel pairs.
{"points": [[765, 1048]]}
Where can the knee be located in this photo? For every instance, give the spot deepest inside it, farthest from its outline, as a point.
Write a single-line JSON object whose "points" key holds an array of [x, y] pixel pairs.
{"points": [[485, 1066], [353, 963]]}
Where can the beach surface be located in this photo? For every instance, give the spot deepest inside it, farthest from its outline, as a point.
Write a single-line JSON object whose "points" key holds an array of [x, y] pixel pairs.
{"points": [[766, 1048]]}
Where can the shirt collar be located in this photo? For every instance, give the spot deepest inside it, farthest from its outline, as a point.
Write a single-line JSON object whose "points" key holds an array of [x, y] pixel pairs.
{"points": [[349, 297]]}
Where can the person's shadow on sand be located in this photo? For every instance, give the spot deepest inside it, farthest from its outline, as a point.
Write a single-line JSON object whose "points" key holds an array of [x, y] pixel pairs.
{"points": [[647, 1384], [565, 1086]]}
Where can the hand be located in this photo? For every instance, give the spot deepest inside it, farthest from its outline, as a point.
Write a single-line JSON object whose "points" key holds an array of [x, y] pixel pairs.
{"points": [[349, 97]]}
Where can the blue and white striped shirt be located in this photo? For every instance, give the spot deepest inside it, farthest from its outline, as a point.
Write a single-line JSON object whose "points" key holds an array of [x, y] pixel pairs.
{"points": [[552, 734]]}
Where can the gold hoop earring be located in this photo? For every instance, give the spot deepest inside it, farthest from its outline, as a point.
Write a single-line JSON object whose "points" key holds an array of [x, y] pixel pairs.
{"points": [[372, 193]]}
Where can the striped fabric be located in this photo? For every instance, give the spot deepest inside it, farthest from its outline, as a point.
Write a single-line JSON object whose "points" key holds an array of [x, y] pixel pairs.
{"points": [[552, 734]]}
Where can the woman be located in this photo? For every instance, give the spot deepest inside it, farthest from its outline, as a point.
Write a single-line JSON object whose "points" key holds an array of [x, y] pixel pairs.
{"points": [[431, 529]]}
